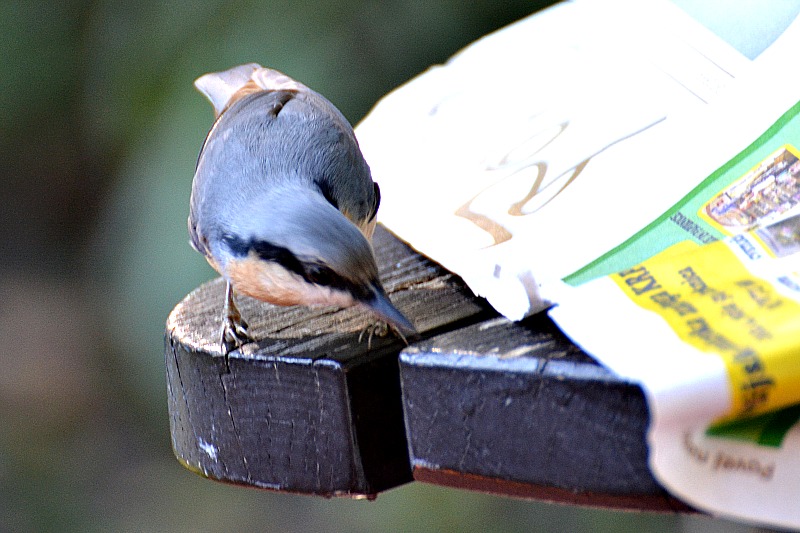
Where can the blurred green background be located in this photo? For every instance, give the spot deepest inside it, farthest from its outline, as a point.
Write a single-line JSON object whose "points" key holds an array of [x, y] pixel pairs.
{"points": [[101, 128]]}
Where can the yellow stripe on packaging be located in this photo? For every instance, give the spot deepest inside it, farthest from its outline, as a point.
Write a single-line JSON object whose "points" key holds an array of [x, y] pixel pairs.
{"points": [[716, 305]]}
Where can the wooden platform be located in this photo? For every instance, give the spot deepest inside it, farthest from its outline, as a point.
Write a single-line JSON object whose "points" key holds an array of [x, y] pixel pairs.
{"points": [[476, 402]]}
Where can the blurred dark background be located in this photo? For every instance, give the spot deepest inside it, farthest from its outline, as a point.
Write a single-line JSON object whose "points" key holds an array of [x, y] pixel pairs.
{"points": [[101, 128]]}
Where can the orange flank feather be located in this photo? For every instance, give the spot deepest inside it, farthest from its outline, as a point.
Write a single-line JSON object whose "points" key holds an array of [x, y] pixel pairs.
{"points": [[269, 282]]}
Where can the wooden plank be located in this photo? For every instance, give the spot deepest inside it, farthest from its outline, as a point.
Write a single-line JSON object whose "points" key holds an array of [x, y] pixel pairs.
{"points": [[517, 409], [509, 408], [307, 407]]}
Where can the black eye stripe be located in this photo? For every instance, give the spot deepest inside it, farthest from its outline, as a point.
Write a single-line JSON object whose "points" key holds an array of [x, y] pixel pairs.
{"points": [[236, 245], [311, 271], [264, 250], [327, 277]]}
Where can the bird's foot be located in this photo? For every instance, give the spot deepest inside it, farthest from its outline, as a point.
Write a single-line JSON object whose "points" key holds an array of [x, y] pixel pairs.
{"points": [[233, 333], [379, 329]]}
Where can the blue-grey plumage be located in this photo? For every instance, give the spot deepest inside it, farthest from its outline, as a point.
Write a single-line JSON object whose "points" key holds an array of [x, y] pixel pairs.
{"points": [[283, 204]]}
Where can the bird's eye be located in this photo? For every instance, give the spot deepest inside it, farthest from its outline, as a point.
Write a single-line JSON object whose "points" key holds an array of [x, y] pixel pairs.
{"points": [[320, 274]]}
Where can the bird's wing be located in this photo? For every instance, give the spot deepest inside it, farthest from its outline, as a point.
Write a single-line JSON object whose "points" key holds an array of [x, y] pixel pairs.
{"points": [[316, 142]]}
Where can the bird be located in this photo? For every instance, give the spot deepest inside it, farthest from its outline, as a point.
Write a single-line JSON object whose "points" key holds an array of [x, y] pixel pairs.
{"points": [[283, 205]]}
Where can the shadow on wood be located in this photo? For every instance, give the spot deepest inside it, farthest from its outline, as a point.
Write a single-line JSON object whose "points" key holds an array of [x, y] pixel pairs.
{"points": [[307, 407]]}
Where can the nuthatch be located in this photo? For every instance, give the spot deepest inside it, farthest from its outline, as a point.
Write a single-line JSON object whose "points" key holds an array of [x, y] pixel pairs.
{"points": [[283, 204]]}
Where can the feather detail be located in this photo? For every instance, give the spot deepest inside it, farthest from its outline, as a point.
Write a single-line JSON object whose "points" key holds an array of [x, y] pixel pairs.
{"points": [[272, 80], [226, 87], [219, 87]]}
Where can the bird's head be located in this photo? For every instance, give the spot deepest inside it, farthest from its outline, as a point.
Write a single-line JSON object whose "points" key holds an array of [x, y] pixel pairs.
{"points": [[293, 247]]}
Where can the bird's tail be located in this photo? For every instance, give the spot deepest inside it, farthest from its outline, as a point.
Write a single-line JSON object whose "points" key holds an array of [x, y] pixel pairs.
{"points": [[225, 87], [219, 87]]}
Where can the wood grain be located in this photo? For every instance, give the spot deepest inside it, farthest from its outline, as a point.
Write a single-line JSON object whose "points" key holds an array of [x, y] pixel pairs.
{"points": [[307, 407], [517, 409], [476, 402]]}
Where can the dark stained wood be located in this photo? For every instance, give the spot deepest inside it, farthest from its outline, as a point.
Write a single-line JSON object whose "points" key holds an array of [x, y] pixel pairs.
{"points": [[307, 407], [476, 402], [515, 489], [517, 409]]}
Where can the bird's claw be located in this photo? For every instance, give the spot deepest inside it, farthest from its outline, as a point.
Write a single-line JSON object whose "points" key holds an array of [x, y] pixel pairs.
{"points": [[379, 329], [233, 333]]}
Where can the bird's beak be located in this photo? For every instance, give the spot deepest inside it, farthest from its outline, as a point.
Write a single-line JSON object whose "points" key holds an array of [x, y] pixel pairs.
{"points": [[382, 306]]}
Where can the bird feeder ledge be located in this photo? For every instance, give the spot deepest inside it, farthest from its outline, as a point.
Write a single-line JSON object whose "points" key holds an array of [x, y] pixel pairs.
{"points": [[476, 402]]}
